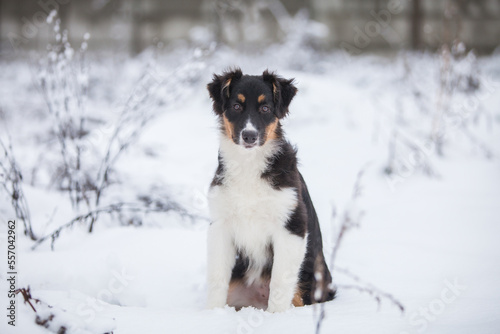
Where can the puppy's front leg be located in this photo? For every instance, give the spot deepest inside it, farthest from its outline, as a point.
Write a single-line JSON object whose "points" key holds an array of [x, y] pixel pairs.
{"points": [[289, 253], [220, 262]]}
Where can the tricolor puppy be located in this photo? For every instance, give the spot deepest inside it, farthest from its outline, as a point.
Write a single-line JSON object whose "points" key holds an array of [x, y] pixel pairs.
{"points": [[264, 243]]}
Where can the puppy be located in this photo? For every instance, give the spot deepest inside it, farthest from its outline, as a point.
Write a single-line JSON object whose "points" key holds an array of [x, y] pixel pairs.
{"points": [[264, 242]]}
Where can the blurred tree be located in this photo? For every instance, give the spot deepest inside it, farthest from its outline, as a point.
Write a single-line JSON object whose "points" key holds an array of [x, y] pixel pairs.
{"points": [[416, 25]]}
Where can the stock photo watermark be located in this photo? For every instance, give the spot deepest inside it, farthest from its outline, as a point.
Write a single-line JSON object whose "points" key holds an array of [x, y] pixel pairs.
{"points": [[459, 113], [425, 315], [379, 26], [249, 324], [116, 285], [11, 272], [31, 26]]}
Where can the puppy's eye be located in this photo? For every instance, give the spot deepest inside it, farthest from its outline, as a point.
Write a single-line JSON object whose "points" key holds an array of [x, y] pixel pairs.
{"points": [[265, 109], [237, 107]]}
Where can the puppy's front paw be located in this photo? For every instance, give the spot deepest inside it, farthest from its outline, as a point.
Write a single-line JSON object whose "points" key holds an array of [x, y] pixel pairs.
{"points": [[277, 307], [216, 300], [215, 304]]}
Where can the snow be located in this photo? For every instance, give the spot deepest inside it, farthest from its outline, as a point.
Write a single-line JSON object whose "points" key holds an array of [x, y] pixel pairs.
{"points": [[429, 241]]}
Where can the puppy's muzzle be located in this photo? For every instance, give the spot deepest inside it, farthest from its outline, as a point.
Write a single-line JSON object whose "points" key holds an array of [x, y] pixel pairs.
{"points": [[249, 137]]}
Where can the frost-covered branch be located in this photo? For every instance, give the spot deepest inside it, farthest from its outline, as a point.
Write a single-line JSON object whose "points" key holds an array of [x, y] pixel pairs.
{"points": [[369, 288], [63, 82], [350, 219], [11, 181], [50, 317], [87, 163], [145, 207]]}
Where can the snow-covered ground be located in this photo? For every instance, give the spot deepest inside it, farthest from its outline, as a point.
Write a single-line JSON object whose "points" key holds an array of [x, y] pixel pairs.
{"points": [[429, 241]]}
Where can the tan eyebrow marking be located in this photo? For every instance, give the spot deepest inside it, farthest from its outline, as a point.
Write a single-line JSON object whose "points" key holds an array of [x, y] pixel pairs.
{"points": [[275, 91], [226, 86], [242, 98], [261, 98]]}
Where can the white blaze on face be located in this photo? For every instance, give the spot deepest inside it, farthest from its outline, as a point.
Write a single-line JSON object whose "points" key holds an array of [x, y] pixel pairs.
{"points": [[249, 126]]}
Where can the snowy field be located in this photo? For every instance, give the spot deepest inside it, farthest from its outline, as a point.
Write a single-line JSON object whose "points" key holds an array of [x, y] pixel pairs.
{"points": [[428, 235]]}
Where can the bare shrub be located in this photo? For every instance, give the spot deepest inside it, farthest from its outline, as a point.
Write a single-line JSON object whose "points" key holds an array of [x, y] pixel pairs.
{"points": [[88, 149], [145, 206], [63, 81], [351, 218], [45, 314], [11, 180]]}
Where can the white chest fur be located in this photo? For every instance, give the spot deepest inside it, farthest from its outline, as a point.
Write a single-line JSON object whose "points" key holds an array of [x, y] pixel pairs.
{"points": [[252, 211]]}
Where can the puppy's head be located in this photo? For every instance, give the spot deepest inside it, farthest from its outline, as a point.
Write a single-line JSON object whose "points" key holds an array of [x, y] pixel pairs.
{"points": [[250, 106]]}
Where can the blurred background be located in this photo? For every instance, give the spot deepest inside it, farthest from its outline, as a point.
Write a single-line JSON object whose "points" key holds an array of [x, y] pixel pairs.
{"points": [[353, 25], [108, 146]]}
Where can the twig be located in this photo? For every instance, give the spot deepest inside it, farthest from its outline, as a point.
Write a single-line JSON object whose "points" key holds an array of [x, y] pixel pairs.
{"points": [[375, 292], [40, 320], [12, 184], [348, 222], [26, 293], [110, 209], [321, 317], [478, 143]]}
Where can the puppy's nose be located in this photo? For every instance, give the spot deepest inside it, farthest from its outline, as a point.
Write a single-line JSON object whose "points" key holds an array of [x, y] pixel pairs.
{"points": [[249, 136]]}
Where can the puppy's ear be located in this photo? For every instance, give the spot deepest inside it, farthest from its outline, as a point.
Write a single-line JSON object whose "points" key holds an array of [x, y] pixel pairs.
{"points": [[283, 92], [220, 88]]}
